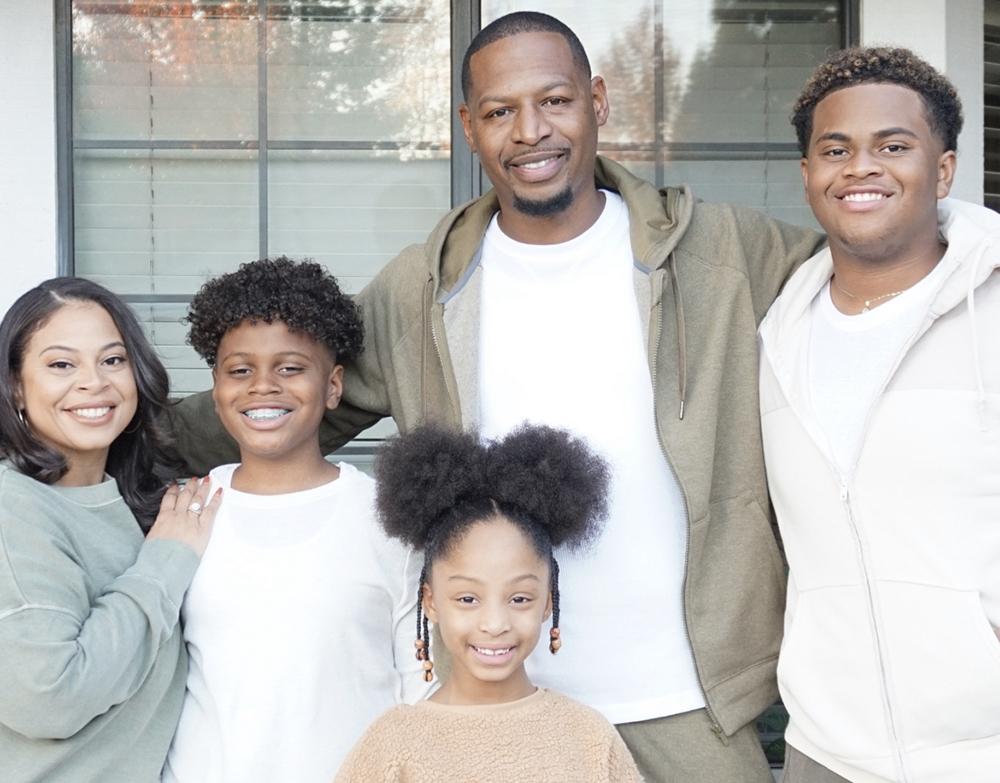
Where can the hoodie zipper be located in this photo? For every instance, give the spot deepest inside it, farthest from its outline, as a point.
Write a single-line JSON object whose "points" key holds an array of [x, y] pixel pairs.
{"points": [[656, 283], [447, 372], [845, 497]]}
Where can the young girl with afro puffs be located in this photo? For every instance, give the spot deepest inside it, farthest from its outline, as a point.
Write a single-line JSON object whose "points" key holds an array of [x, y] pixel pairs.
{"points": [[297, 621], [487, 518]]}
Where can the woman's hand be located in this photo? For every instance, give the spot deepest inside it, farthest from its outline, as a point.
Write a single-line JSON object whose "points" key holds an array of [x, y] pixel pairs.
{"points": [[186, 515]]}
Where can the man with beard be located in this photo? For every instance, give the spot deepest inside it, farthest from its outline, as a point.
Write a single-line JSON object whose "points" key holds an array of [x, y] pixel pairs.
{"points": [[577, 295]]}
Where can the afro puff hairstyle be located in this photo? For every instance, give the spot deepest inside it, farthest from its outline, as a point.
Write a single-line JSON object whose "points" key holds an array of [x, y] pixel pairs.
{"points": [[881, 65], [300, 294], [433, 484]]}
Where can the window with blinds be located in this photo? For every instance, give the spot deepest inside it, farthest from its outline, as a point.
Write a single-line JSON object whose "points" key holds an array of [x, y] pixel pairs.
{"points": [[991, 104], [210, 133], [207, 133]]}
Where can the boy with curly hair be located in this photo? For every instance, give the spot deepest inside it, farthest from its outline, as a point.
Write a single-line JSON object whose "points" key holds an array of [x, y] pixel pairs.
{"points": [[298, 620], [880, 403]]}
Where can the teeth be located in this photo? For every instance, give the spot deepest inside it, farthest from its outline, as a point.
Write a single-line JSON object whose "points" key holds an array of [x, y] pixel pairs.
{"points": [[92, 413], [864, 197], [536, 165], [491, 653], [265, 414]]}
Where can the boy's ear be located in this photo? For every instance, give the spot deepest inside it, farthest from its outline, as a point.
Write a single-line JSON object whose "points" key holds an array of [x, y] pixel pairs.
{"points": [[335, 387], [427, 600], [215, 377]]}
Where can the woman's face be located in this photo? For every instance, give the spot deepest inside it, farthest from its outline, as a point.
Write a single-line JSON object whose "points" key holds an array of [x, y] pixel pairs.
{"points": [[77, 391]]}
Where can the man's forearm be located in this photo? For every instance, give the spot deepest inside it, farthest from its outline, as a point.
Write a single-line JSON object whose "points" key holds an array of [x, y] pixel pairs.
{"points": [[198, 437]]}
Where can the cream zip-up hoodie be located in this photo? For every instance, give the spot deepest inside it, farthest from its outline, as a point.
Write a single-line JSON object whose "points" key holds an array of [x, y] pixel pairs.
{"points": [[890, 668]]}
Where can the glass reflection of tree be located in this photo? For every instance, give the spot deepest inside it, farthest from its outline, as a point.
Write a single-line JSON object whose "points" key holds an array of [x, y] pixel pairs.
{"points": [[407, 88], [686, 35]]}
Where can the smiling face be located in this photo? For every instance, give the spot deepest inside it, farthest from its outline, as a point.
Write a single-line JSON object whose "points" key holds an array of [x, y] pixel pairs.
{"points": [[874, 172], [76, 389], [272, 387], [532, 117], [489, 596]]}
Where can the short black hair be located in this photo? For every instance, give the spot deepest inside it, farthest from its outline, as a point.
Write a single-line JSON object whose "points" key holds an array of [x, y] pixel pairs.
{"points": [[515, 24], [433, 485], [136, 458], [301, 294], [881, 65]]}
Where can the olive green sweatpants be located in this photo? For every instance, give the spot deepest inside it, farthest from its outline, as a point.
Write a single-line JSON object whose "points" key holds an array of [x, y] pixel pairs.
{"points": [[799, 768], [684, 749]]}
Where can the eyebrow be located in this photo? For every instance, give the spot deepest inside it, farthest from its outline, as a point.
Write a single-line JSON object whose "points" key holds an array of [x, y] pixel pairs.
{"points": [[68, 349], [521, 578], [280, 354], [503, 99], [879, 134]]}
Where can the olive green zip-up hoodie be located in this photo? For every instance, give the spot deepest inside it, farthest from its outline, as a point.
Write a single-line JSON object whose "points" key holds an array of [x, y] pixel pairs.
{"points": [[705, 275]]}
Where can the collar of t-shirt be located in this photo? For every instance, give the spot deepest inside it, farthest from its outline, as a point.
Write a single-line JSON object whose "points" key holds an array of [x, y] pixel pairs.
{"points": [[912, 299], [552, 259]]}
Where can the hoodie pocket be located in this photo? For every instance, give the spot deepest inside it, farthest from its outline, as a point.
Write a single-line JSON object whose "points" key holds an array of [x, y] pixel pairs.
{"points": [[829, 674], [944, 664]]}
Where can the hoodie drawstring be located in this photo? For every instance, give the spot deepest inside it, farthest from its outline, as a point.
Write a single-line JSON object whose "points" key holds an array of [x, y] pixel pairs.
{"points": [[970, 303]]}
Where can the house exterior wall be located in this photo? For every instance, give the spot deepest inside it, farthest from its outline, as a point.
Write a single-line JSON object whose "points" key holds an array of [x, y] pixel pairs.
{"points": [[949, 35], [27, 148]]}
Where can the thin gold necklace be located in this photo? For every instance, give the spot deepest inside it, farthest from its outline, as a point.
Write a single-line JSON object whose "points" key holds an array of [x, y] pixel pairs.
{"points": [[867, 302]]}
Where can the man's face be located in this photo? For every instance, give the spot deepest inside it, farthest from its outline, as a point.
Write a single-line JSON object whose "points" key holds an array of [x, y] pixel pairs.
{"points": [[874, 172], [532, 117]]}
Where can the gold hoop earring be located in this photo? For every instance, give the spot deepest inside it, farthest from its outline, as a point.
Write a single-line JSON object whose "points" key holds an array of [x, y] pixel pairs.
{"points": [[20, 417]]}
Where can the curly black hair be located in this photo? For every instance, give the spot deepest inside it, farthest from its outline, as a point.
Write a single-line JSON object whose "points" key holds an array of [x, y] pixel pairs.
{"points": [[881, 65], [434, 484], [300, 294]]}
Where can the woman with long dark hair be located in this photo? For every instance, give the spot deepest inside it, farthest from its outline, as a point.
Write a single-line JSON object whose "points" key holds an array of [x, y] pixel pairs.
{"points": [[93, 671]]}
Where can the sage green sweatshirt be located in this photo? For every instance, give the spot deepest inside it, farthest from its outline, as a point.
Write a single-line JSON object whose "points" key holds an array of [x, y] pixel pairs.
{"points": [[93, 662]]}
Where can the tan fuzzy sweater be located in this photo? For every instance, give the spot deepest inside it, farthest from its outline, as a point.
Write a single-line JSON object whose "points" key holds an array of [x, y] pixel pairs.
{"points": [[543, 738]]}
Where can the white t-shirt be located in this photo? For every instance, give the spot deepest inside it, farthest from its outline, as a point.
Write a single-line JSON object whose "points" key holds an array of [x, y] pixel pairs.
{"points": [[300, 624], [561, 343], [851, 357]]}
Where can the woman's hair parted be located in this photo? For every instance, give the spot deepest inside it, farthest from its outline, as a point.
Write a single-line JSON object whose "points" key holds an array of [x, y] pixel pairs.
{"points": [[301, 294], [434, 484], [136, 459]]}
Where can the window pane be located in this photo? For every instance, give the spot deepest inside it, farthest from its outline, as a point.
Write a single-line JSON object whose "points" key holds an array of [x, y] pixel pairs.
{"points": [[154, 70], [165, 328], [354, 211], [163, 221], [360, 72]]}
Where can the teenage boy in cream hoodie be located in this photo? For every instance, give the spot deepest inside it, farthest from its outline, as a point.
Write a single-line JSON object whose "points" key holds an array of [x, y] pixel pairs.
{"points": [[880, 403]]}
